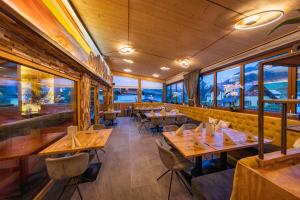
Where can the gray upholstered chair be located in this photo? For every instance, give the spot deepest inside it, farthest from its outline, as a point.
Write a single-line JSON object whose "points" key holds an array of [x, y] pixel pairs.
{"points": [[71, 167], [109, 118], [170, 120], [173, 162], [144, 122], [189, 126], [181, 120], [157, 123]]}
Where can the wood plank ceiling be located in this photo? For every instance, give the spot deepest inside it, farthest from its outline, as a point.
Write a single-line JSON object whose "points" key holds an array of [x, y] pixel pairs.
{"points": [[165, 30]]}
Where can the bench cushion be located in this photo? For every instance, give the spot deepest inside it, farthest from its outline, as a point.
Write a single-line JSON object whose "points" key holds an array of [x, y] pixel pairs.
{"points": [[213, 186]]}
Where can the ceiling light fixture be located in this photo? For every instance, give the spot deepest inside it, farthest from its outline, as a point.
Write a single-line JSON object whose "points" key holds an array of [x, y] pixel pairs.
{"points": [[127, 70], [126, 50], [155, 75], [185, 63], [128, 61], [165, 68], [259, 19]]}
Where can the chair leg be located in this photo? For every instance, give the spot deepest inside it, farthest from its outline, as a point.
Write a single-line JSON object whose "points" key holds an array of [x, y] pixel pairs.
{"points": [[97, 155], [163, 174], [65, 186], [77, 187], [103, 150], [170, 185], [141, 127]]}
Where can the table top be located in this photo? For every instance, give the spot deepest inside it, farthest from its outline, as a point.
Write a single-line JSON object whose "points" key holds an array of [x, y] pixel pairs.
{"points": [[90, 139], [168, 114], [145, 109], [109, 112], [185, 143], [21, 146]]}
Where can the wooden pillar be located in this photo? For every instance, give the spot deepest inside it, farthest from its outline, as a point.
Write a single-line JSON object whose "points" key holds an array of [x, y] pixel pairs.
{"points": [[140, 90], [85, 92], [108, 98]]}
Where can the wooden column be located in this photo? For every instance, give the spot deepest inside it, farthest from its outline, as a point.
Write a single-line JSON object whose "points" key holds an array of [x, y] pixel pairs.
{"points": [[85, 91]]}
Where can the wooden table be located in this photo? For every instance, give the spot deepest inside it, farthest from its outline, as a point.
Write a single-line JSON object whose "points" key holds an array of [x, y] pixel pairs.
{"points": [[148, 109], [168, 114], [214, 144], [94, 139]]}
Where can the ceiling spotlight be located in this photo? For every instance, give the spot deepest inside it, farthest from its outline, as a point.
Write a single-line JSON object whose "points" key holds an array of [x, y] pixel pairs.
{"points": [[128, 61], [126, 50], [155, 75], [165, 68], [185, 63], [127, 70], [259, 19]]}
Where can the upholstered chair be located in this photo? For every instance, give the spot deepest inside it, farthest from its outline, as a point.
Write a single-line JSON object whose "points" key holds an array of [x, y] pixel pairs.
{"points": [[181, 120], [157, 123], [109, 118], [189, 126], [173, 162], [170, 128], [170, 120], [71, 167]]}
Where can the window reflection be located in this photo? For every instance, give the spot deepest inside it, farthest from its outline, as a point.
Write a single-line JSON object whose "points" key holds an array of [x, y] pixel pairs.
{"points": [[207, 90]]}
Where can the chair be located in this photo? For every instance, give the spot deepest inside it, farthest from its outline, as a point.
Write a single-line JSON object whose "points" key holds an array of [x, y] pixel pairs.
{"points": [[157, 123], [170, 120], [143, 121], [181, 120], [173, 163], [189, 126], [170, 128], [109, 118], [71, 167]]}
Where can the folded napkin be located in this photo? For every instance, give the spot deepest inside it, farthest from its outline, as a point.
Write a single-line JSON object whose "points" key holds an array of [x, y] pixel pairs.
{"points": [[227, 139], [251, 138], [75, 142], [163, 112], [199, 128], [179, 131], [210, 129], [199, 144], [152, 113], [297, 143], [72, 131]]}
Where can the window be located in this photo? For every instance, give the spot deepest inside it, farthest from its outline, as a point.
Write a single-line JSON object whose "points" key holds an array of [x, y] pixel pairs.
{"points": [[100, 98], [125, 89], [227, 77], [185, 97], [180, 92], [151, 91], [92, 104], [174, 93], [298, 89], [206, 86], [168, 94], [251, 84], [275, 85]]}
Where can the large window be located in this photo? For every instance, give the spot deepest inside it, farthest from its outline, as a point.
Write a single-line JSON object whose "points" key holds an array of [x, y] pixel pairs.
{"points": [[227, 77], [206, 86], [185, 96], [175, 93], [180, 92], [101, 99], [168, 94], [251, 85], [298, 89], [151, 91], [125, 89], [92, 104]]}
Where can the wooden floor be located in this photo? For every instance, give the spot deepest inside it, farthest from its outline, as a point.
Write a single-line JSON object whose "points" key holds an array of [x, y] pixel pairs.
{"points": [[131, 165]]}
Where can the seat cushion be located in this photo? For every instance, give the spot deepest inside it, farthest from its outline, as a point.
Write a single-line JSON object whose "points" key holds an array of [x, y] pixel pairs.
{"points": [[215, 186]]}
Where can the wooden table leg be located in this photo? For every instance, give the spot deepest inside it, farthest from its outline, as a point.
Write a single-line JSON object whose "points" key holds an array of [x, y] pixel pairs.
{"points": [[197, 170]]}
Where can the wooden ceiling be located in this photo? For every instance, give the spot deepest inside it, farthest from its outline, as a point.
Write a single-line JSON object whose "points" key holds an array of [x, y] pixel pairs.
{"points": [[165, 30]]}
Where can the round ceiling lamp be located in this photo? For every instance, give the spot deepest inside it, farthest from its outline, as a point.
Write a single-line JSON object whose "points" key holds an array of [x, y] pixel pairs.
{"points": [[126, 50], [185, 63], [259, 19]]}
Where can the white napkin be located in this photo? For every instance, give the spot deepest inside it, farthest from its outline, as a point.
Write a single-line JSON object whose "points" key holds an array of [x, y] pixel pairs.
{"points": [[179, 131], [210, 129], [251, 138], [199, 128], [163, 112], [297, 143], [227, 139], [75, 142], [152, 113], [198, 144], [71, 130]]}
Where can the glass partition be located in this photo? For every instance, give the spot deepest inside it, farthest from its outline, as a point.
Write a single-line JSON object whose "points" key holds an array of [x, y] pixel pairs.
{"points": [[151, 91]]}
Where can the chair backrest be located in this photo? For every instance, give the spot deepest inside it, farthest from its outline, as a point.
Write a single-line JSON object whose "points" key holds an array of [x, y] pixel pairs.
{"points": [[170, 128], [67, 167], [98, 127], [170, 120], [181, 119], [189, 126], [157, 121], [109, 116], [167, 157]]}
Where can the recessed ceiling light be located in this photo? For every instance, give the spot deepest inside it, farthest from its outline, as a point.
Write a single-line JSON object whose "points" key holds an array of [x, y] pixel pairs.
{"points": [[126, 50], [185, 63], [127, 70], [155, 75], [128, 61], [165, 68], [259, 19]]}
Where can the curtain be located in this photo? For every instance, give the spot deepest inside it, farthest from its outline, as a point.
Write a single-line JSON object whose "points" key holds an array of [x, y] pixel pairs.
{"points": [[191, 81]]}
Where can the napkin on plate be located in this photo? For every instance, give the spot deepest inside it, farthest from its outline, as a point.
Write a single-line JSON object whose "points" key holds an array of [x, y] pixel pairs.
{"points": [[227, 139], [198, 144], [72, 131], [251, 138], [199, 128], [179, 131]]}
